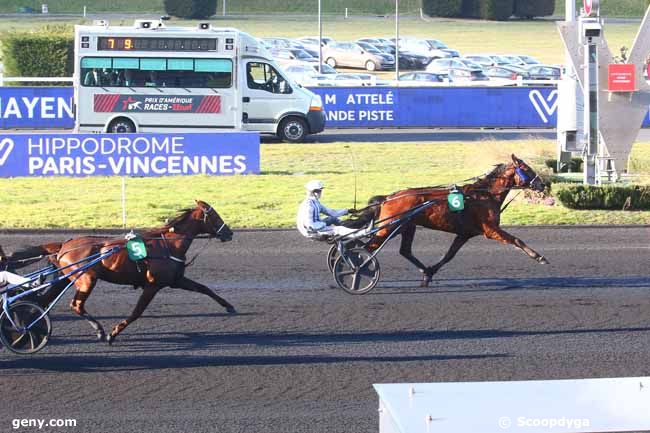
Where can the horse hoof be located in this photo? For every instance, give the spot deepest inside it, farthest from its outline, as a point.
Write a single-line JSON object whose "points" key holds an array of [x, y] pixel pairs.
{"points": [[231, 310], [101, 336], [542, 260], [110, 339]]}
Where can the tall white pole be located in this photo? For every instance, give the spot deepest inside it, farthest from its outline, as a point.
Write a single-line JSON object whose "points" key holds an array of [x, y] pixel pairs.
{"points": [[123, 202], [320, 37], [397, 41], [224, 8]]}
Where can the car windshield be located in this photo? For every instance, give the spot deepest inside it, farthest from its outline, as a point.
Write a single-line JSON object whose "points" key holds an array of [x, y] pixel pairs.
{"points": [[437, 44], [301, 54], [500, 60], [326, 69], [368, 48], [529, 60], [471, 65]]}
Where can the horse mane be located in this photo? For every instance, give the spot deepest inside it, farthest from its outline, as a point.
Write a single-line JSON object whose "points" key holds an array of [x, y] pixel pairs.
{"points": [[181, 216]]}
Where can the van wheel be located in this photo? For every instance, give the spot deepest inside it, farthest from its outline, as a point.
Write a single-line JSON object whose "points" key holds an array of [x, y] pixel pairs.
{"points": [[121, 125], [292, 130], [331, 61], [371, 66]]}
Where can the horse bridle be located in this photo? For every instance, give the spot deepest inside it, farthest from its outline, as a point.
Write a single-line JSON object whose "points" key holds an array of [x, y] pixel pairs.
{"points": [[206, 213], [523, 176]]}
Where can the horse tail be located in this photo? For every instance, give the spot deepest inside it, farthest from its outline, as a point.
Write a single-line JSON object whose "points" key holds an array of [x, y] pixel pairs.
{"points": [[27, 256]]}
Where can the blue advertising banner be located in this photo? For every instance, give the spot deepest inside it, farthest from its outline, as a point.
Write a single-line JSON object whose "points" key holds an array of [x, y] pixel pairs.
{"points": [[345, 107], [129, 154], [36, 107], [452, 107]]}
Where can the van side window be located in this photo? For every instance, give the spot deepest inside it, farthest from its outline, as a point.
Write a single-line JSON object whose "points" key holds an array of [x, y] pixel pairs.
{"points": [[262, 76]]}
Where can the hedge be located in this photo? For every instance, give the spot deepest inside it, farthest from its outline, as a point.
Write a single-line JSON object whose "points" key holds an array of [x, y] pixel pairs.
{"points": [[498, 10], [609, 197], [45, 53], [443, 8], [196, 9], [534, 8]]}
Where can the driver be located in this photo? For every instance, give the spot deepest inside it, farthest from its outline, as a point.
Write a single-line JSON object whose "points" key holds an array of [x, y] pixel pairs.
{"points": [[8, 277], [310, 224]]}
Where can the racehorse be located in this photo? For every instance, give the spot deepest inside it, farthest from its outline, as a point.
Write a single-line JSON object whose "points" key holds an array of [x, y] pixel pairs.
{"points": [[164, 266], [483, 206]]}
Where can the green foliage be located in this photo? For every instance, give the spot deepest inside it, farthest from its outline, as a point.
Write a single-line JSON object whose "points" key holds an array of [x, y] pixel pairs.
{"points": [[498, 10], [196, 9], [443, 8], [46, 53], [633, 197], [574, 166], [534, 8], [472, 8]]}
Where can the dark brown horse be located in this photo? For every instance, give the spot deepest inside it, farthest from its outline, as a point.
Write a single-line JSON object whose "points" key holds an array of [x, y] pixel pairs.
{"points": [[164, 266], [483, 205]]}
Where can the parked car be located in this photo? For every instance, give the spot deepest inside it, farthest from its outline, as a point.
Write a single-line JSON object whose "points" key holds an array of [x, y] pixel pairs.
{"points": [[353, 55], [544, 72], [439, 45], [467, 75], [311, 42], [286, 56], [513, 60], [507, 72], [528, 60], [417, 79], [442, 66], [407, 60], [424, 48], [377, 41], [481, 59], [499, 60], [359, 80]]}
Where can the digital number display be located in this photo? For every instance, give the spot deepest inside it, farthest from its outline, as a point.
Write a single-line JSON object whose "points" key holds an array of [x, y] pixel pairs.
{"points": [[155, 44]]}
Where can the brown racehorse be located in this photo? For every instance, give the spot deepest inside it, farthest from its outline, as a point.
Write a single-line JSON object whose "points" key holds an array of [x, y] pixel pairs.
{"points": [[483, 204], [164, 265]]}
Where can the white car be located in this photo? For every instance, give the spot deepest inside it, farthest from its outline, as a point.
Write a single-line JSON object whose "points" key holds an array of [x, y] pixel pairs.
{"points": [[442, 66]]}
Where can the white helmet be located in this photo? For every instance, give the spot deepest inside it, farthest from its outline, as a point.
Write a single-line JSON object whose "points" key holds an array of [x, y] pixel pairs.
{"points": [[314, 185]]}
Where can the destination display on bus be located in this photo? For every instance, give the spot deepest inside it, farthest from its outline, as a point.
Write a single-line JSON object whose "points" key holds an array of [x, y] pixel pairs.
{"points": [[155, 44]]}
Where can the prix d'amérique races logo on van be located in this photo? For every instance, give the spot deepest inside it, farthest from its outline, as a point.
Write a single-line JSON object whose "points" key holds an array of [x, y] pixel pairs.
{"points": [[6, 146], [113, 103]]}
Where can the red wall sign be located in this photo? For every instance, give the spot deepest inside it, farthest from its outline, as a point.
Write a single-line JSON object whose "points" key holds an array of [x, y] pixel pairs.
{"points": [[621, 77]]}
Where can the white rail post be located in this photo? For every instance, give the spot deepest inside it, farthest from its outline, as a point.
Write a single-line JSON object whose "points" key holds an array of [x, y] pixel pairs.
{"points": [[124, 202]]}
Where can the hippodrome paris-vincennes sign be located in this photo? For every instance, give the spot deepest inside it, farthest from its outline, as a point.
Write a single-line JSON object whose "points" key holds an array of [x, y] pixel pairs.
{"points": [[129, 154]]}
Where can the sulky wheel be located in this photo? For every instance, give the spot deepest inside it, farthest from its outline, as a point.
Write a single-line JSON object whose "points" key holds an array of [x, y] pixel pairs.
{"points": [[333, 253], [18, 339], [359, 279]]}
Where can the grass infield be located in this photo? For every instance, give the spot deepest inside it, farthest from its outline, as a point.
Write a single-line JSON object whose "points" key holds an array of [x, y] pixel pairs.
{"points": [[270, 200]]}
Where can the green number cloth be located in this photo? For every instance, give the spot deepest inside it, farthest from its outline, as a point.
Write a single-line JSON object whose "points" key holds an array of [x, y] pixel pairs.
{"points": [[136, 249]]}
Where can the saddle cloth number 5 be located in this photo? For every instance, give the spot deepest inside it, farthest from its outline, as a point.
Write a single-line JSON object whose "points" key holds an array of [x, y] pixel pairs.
{"points": [[136, 249]]}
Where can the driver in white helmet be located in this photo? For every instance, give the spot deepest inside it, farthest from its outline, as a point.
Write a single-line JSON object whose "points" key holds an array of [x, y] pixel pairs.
{"points": [[309, 222], [7, 277]]}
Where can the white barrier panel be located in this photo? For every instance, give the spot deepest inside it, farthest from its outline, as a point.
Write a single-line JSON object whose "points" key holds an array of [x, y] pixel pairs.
{"points": [[556, 406]]}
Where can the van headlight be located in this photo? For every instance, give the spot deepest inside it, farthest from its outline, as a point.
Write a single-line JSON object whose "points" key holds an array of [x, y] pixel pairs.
{"points": [[316, 104]]}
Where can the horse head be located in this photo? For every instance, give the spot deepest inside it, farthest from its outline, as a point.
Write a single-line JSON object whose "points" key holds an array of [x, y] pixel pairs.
{"points": [[525, 177], [212, 223]]}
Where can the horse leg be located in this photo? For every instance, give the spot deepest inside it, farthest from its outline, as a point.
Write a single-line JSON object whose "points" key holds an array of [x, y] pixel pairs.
{"points": [[85, 285], [502, 236], [148, 293], [406, 250], [192, 286], [456, 245]]}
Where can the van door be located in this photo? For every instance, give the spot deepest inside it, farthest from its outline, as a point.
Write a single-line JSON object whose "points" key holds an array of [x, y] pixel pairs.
{"points": [[266, 94]]}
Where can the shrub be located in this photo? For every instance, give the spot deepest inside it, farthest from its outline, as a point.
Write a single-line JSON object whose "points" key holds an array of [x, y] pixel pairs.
{"points": [[471, 8], [45, 53], [499, 10], [195, 9], [442, 8], [534, 8], [610, 197], [574, 166]]}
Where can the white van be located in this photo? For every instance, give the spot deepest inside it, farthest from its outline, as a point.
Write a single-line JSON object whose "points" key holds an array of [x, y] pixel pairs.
{"points": [[154, 78]]}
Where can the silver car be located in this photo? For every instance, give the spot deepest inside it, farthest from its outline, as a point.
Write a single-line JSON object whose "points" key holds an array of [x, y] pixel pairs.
{"points": [[353, 55]]}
